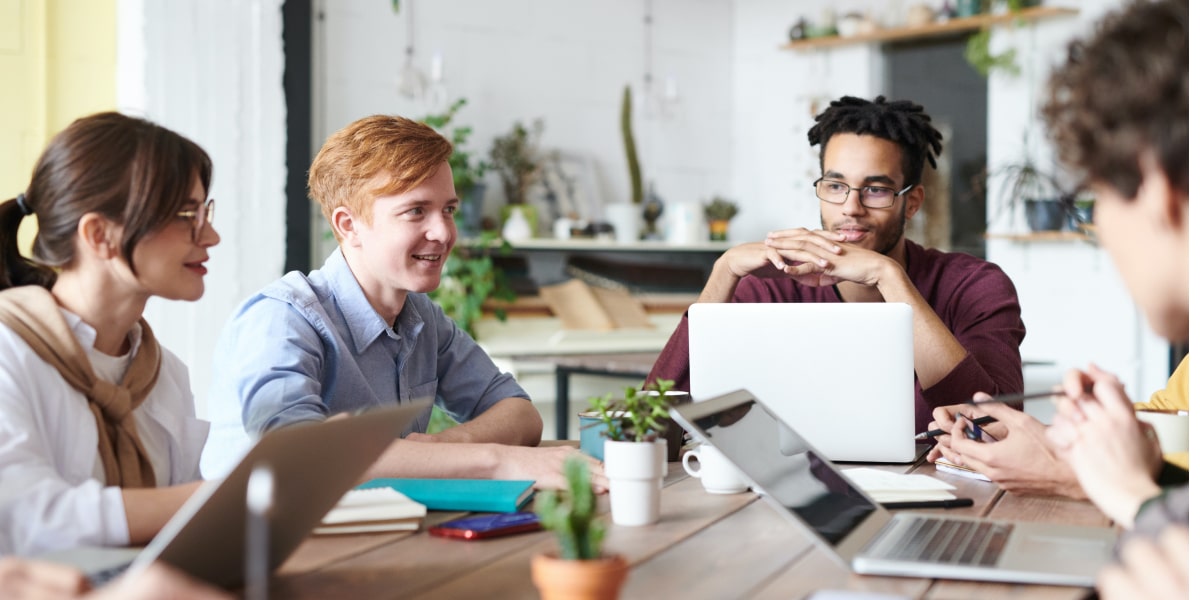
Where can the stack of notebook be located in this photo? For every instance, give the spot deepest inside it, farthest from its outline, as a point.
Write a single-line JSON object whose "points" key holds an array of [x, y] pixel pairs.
{"points": [[371, 510], [471, 495]]}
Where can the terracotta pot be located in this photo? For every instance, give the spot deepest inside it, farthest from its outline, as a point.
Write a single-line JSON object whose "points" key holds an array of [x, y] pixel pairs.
{"points": [[599, 579]]}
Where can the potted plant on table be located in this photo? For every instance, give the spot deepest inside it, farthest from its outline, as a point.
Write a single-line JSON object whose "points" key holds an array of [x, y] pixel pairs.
{"points": [[635, 451], [580, 570]]}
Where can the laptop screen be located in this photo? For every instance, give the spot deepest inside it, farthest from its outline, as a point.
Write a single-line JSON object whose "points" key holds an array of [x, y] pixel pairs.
{"points": [[784, 466]]}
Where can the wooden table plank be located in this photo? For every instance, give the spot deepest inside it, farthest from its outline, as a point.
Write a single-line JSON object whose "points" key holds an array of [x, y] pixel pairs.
{"points": [[687, 509], [817, 570], [722, 561], [320, 550]]}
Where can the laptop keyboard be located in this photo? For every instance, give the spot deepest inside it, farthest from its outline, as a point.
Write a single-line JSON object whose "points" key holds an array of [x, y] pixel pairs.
{"points": [[949, 541]]}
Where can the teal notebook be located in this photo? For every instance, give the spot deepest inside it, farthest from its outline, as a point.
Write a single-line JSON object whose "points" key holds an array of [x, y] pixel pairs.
{"points": [[473, 495]]}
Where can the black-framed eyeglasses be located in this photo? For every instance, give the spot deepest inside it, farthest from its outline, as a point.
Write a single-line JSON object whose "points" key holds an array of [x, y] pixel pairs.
{"points": [[199, 216], [870, 196]]}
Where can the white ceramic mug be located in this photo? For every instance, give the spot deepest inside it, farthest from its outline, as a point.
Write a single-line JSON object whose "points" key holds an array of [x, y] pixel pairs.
{"points": [[1170, 426], [716, 473]]}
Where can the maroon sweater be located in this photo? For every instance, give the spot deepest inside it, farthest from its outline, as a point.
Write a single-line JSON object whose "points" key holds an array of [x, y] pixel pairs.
{"points": [[973, 297]]}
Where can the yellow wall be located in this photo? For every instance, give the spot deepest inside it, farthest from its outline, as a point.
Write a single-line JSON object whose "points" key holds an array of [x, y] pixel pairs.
{"points": [[58, 62]]}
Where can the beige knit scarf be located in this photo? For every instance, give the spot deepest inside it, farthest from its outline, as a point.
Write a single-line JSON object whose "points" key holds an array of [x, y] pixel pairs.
{"points": [[33, 314]]}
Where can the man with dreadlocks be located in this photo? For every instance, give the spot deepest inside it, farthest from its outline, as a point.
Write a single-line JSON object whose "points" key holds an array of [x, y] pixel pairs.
{"points": [[966, 320]]}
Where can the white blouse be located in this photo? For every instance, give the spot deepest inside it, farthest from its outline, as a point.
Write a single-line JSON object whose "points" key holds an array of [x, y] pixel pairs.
{"points": [[52, 491]]}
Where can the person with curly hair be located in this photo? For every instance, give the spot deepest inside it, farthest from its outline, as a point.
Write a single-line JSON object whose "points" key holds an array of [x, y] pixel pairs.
{"points": [[1117, 110], [966, 318]]}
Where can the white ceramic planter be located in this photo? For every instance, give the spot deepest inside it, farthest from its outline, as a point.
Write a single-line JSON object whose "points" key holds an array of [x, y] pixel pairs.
{"points": [[635, 473], [626, 220]]}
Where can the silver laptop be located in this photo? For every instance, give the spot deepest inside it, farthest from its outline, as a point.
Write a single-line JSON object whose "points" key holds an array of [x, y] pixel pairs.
{"points": [[808, 490], [819, 367], [313, 465]]}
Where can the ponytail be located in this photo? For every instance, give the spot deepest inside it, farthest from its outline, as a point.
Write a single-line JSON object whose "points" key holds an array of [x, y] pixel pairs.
{"points": [[15, 269]]}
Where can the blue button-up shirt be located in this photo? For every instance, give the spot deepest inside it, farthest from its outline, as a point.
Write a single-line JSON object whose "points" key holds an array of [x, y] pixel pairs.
{"points": [[305, 348]]}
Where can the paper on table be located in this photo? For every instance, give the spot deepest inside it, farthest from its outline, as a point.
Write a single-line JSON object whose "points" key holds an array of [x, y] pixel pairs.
{"points": [[946, 466], [885, 486], [376, 504]]}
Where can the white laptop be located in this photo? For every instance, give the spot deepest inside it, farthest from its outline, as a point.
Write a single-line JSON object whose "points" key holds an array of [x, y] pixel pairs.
{"points": [[808, 490], [313, 465], [823, 368]]}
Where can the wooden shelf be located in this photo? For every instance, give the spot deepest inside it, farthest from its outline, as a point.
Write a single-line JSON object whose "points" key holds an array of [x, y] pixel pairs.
{"points": [[1042, 236], [933, 30]]}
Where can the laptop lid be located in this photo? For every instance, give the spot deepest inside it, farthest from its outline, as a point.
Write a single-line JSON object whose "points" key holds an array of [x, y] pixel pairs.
{"points": [[820, 366], [796, 479], [313, 466]]}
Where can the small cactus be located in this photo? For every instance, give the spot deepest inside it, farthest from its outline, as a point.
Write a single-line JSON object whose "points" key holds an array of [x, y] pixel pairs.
{"points": [[635, 168], [571, 514]]}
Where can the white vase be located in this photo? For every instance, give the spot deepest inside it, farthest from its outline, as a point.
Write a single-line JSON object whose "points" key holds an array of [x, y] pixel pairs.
{"points": [[635, 474], [626, 220]]}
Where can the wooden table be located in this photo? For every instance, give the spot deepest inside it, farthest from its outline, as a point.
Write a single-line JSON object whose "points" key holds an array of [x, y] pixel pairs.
{"points": [[705, 546]]}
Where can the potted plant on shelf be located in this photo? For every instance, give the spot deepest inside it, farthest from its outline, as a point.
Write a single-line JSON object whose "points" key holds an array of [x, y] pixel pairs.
{"points": [[581, 570], [468, 170], [514, 157], [635, 452], [719, 211], [470, 278], [625, 217], [1044, 199]]}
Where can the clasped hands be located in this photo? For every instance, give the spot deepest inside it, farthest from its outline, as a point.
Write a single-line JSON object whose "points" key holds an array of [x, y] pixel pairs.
{"points": [[811, 257]]}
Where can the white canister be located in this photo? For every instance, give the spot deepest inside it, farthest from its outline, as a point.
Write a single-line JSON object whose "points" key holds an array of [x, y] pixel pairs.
{"points": [[685, 223]]}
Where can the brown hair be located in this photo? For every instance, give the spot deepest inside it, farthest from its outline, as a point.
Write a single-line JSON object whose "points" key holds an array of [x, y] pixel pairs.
{"points": [[1122, 92], [403, 151], [126, 169]]}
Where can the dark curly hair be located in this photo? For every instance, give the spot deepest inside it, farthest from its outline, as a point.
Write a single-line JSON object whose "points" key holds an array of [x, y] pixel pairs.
{"points": [[1122, 92], [900, 121]]}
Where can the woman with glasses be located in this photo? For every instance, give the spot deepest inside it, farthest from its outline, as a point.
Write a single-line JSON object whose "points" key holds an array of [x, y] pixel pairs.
{"points": [[99, 443]]}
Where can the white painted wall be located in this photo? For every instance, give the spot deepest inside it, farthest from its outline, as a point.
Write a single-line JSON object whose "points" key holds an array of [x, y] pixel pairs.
{"points": [[564, 62], [213, 71]]}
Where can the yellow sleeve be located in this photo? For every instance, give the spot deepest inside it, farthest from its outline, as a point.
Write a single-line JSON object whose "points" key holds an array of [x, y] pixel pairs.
{"points": [[1172, 397], [1175, 395]]}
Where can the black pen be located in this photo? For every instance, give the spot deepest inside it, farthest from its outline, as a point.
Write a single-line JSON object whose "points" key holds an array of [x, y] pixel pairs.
{"points": [[954, 503], [924, 435]]}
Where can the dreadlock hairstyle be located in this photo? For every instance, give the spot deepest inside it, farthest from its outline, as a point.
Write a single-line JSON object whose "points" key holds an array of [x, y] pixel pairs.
{"points": [[900, 121]]}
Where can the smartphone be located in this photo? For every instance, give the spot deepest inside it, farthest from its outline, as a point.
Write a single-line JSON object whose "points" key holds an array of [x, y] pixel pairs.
{"points": [[487, 526]]}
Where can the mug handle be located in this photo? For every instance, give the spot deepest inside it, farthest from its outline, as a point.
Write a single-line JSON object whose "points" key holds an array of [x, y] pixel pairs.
{"points": [[687, 463]]}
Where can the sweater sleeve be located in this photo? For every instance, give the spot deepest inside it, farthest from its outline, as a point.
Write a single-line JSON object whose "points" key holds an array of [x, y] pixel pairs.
{"points": [[984, 315], [672, 362]]}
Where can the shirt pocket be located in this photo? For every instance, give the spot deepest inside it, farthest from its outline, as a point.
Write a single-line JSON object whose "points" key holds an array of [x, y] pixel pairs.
{"points": [[419, 392]]}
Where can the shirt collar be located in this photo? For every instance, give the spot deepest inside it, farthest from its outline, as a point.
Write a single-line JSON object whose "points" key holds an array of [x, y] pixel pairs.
{"points": [[86, 334], [362, 320]]}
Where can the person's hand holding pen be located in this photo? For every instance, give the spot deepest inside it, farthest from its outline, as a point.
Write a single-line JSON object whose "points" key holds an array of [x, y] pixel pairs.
{"points": [[1021, 460]]}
